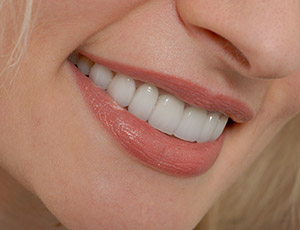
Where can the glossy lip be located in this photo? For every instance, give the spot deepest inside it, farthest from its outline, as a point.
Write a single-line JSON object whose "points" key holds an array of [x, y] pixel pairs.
{"points": [[150, 146], [187, 91]]}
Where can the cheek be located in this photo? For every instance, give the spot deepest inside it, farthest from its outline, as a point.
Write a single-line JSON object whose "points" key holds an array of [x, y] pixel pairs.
{"points": [[81, 15], [56, 22], [81, 9], [293, 86], [281, 101], [286, 95]]}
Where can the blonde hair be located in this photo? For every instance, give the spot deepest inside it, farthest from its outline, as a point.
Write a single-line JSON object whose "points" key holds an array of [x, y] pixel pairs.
{"points": [[15, 21], [266, 197]]}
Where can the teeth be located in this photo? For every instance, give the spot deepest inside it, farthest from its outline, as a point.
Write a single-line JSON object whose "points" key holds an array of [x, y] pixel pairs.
{"points": [[84, 65], [210, 125], [122, 89], [167, 113], [163, 111], [144, 101], [220, 127], [191, 124], [101, 76]]}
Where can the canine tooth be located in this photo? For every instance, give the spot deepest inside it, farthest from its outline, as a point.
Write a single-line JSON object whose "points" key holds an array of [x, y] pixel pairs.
{"points": [[101, 76], [166, 113], [122, 89], [209, 127], [191, 123], [143, 101], [220, 127], [84, 65]]}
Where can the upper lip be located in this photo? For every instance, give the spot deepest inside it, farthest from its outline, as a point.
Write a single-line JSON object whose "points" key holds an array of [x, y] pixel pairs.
{"points": [[190, 92]]}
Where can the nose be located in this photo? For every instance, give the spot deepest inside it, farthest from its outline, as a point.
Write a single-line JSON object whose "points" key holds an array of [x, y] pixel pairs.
{"points": [[266, 33]]}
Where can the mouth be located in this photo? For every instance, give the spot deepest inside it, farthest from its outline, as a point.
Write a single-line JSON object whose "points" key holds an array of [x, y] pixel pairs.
{"points": [[158, 121]]}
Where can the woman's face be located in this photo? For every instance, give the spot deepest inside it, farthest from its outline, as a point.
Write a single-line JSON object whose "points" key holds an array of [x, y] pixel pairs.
{"points": [[95, 165]]}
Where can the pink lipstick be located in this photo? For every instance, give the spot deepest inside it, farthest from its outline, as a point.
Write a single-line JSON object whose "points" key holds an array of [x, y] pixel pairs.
{"points": [[150, 146]]}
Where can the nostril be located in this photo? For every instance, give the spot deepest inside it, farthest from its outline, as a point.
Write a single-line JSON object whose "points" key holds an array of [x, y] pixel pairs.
{"points": [[231, 50]]}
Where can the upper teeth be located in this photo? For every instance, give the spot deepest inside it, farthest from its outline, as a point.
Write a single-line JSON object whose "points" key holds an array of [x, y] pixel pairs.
{"points": [[163, 111]]}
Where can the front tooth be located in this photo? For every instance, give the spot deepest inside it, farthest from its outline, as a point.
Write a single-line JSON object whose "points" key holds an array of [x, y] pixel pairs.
{"points": [[210, 125], [143, 101], [122, 89], [101, 76], [84, 65], [220, 127], [191, 124], [167, 113]]}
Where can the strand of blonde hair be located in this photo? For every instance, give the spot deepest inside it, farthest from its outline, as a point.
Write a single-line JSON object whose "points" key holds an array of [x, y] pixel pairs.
{"points": [[20, 27]]}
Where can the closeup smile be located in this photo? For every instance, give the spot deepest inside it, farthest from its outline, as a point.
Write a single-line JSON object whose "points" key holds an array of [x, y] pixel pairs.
{"points": [[144, 114]]}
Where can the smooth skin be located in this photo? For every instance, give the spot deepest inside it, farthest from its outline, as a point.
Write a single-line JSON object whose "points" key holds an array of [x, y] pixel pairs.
{"points": [[52, 145]]}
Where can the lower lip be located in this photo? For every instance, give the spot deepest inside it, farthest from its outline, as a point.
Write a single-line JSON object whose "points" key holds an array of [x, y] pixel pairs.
{"points": [[153, 148]]}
